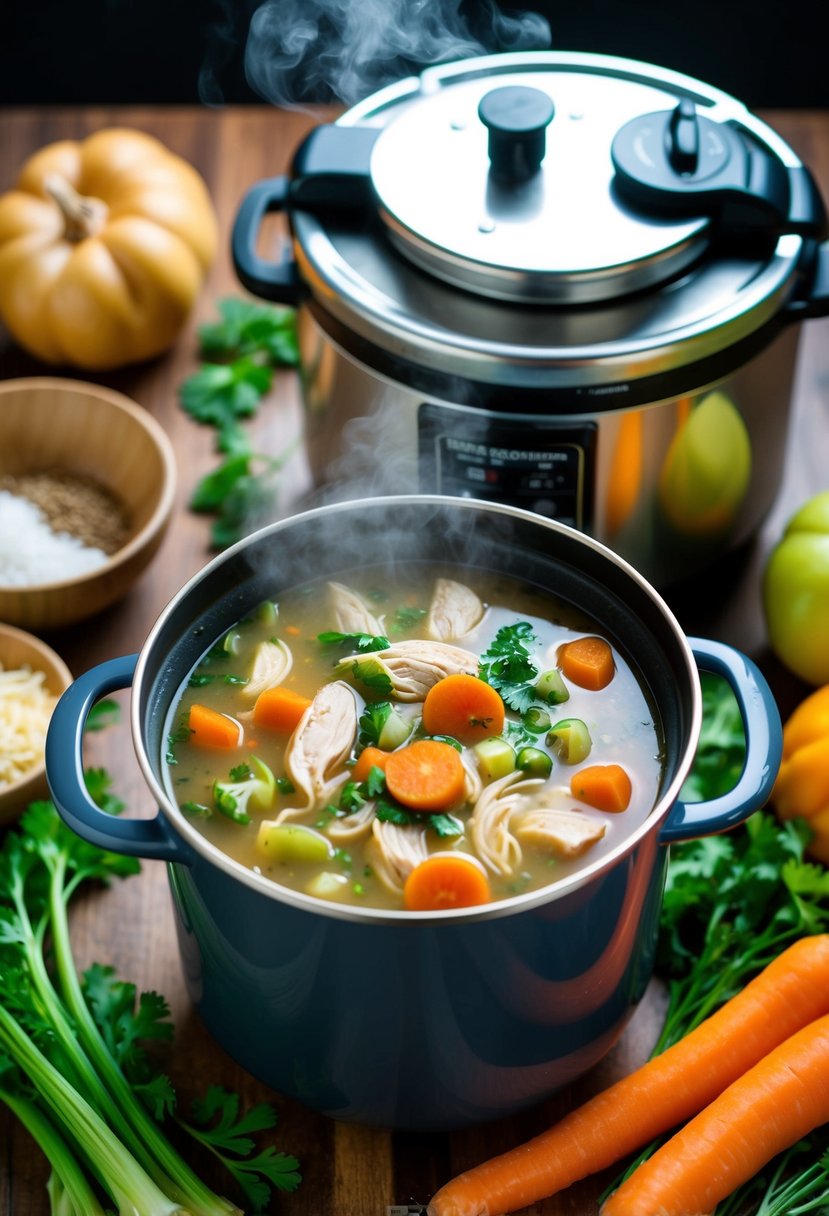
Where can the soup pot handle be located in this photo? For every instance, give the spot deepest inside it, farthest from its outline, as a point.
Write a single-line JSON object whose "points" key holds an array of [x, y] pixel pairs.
{"points": [[764, 747], [150, 838]]}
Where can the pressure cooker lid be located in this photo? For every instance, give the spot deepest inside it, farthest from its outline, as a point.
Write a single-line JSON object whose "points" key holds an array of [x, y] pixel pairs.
{"points": [[507, 187]]}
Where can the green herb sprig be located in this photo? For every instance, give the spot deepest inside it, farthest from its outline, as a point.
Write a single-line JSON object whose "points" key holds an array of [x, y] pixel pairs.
{"points": [[508, 665], [253, 340]]}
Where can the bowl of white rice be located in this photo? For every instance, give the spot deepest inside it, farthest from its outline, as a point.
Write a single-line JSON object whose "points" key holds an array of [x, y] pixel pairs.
{"points": [[32, 677], [87, 487]]}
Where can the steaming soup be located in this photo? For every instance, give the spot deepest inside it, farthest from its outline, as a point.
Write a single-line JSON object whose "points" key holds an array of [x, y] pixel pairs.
{"points": [[414, 741]]}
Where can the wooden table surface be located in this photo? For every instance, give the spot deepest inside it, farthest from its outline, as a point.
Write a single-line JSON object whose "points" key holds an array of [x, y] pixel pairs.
{"points": [[348, 1171]]}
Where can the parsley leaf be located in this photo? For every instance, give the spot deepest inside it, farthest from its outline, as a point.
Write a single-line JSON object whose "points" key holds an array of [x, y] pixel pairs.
{"points": [[371, 723], [102, 714], [508, 666], [721, 749], [361, 642], [247, 326], [445, 825], [391, 812], [221, 1129], [406, 618], [123, 1023], [220, 393]]}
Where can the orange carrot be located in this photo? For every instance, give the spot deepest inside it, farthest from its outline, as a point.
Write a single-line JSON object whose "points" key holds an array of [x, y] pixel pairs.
{"points": [[427, 775], [369, 758], [604, 786], [464, 707], [772, 1106], [789, 994], [279, 709], [587, 662], [293, 630], [209, 728], [446, 880]]}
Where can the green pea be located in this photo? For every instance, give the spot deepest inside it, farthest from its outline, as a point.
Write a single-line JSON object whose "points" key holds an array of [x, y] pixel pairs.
{"points": [[534, 761]]}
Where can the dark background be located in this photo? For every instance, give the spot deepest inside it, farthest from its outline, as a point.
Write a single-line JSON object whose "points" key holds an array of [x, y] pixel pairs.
{"points": [[773, 53]]}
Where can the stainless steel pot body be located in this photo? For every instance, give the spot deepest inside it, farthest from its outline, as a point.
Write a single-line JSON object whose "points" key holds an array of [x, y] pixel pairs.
{"points": [[419, 1020], [669, 494]]}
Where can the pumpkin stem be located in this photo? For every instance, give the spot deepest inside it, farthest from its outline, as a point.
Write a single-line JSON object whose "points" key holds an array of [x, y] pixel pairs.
{"points": [[82, 217]]}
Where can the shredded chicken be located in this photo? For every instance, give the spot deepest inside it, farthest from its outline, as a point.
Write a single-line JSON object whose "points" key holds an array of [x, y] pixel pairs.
{"points": [[489, 824], [454, 611], [351, 613], [272, 663], [412, 667], [319, 747], [352, 828], [563, 833], [394, 851]]}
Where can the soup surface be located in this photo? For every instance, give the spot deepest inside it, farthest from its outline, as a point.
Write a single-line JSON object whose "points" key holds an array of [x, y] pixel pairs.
{"points": [[418, 740]]}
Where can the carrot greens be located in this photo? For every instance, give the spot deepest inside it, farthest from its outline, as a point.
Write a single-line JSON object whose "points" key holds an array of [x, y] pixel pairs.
{"points": [[73, 1061]]}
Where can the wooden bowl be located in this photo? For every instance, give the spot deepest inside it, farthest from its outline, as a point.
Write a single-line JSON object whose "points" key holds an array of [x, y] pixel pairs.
{"points": [[49, 424], [20, 649]]}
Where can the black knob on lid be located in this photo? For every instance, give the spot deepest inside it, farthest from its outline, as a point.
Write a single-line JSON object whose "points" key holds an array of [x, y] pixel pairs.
{"points": [[683, 138], [516, 118]]}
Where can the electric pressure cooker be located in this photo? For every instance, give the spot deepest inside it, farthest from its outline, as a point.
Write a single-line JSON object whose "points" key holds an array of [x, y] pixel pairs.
{"points": [[561, 281]]}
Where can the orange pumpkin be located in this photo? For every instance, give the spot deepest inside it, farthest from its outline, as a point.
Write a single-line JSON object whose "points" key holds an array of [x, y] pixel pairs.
{"points": [[104, 246]]}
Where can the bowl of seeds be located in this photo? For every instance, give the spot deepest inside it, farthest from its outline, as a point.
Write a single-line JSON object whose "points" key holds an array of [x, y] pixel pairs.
{"points": [[87, 485]]}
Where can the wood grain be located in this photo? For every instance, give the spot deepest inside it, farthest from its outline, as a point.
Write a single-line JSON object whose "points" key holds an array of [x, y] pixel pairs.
{"points": [[348, 1171]]}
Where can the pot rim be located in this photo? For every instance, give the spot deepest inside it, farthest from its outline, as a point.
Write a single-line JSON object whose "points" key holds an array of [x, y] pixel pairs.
{"points": [[526, 901]]}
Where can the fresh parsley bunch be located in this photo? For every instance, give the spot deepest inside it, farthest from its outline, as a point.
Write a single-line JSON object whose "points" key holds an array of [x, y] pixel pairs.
{"points": [[73, 1063], [251, 340]]}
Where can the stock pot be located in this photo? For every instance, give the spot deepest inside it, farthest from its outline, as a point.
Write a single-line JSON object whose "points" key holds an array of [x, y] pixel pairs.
{"points": [[564, 281], [415, 1020]]}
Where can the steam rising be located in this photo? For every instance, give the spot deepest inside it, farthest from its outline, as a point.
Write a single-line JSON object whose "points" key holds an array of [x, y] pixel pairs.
{"points": [[343, 50]]}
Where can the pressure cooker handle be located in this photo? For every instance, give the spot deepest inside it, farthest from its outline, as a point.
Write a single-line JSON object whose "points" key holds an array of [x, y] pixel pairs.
{"points": [[815, 301], [151, 838], [278, 281], [764, 748]]}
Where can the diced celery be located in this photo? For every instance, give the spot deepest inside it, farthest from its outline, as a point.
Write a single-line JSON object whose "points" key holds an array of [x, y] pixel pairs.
{"points": [[536, 720], [495, 758], [267, 613], [326, 885], [232, 641], [292, 843], [570, 740], [534, 761], [551, 688], [395, 730]]}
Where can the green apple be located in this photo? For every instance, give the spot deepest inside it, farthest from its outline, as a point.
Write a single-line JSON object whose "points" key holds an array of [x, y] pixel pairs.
{"points": [[706, 471], [796, 592]]}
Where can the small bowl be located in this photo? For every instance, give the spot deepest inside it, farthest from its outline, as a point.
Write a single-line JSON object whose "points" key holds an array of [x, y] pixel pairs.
{"points": [[48, 423], [20, 649]]}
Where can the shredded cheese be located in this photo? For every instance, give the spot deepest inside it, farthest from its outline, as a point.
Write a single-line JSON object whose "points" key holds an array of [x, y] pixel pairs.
{"points": [[25, 709]]}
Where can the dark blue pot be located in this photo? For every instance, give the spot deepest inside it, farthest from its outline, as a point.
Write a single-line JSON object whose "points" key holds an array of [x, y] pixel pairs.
{"points": [[428, 1020]]}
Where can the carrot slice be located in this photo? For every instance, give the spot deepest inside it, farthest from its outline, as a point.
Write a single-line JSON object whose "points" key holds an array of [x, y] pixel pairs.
{"points": [[211, 729], [279, 709], [604, 786], [464, 707], [445, 881], [587, 662], [427, 775], [791, 992], [772, 1106], [369, 758]]}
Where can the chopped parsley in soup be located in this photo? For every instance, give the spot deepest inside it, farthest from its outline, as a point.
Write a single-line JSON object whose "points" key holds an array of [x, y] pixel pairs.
{"points": [[414, 741]]}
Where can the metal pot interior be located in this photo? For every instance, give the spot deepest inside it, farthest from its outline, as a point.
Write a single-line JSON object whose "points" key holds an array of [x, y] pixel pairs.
{"points": [[336, 539]]}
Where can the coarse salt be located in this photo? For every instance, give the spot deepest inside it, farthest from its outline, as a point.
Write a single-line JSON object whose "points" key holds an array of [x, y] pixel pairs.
{"points": [[32, 553], [25, 708]]}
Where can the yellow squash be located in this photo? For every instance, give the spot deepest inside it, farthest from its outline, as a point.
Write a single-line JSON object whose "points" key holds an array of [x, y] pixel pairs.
{"points": [[104, 245], [801, 790]]}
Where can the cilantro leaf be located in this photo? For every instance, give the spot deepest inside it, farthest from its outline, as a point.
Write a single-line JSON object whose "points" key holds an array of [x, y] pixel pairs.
{"points": [[221, 1129], [123, 1023], [371, 723], [361, 642], [157, 1095], [391, 812], [445, 825], [247, 327], [375, 782], [220, 393], [508, 667]]}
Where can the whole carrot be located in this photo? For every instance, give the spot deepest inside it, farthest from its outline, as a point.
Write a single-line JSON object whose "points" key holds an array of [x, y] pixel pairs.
{"points": [[789, 994], [765, 1111]]}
